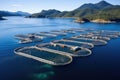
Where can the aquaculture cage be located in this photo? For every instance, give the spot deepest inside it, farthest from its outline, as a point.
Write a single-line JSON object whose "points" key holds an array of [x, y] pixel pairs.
{"points": [[74, 51], [28, 38], [58, 33], [68, 31], [43, 35], [107, 32], [110, 34], [81, 29], [48, 34], [75, 43], [21, 36], [93, 41], [43, 55], [90, 36]]}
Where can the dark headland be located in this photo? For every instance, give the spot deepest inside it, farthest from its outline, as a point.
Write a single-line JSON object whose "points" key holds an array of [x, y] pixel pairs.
{"points": [[101, 12], [1, 18]]}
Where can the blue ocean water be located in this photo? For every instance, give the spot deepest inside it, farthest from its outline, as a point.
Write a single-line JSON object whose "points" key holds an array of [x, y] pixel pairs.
{"points": [[104, 63]]}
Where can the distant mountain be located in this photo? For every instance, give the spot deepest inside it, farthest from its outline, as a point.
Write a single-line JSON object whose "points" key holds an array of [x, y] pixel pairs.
{"points": [[18, 13], [103, 4], [46, 13], [100, 5], [22, 13], [102, 10]]}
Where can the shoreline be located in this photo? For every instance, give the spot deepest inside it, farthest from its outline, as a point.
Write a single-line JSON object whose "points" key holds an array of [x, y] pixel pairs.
{"points": [[102, 21]]}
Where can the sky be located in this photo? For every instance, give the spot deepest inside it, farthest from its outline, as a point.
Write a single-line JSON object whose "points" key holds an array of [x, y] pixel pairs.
{"points": [[34, 6]]}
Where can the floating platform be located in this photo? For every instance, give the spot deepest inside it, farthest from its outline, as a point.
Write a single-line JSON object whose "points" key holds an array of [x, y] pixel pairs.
{"points": [[81, 29], [75, 43], [44, 55], [93, 41], [45, 35], [74, 51], [90, 36], [58, 33], [110, 34], [68, 31], [117, 33], [28, 38]]}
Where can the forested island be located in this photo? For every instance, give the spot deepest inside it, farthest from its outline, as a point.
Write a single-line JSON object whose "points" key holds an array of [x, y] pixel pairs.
{"points": [[102, 12]]}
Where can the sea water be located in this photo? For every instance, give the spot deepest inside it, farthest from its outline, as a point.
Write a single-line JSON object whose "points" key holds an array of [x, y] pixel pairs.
{"points": [[104, 63]]}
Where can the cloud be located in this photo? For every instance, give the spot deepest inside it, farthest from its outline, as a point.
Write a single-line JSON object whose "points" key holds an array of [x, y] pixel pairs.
{"points": [[16, 5]]}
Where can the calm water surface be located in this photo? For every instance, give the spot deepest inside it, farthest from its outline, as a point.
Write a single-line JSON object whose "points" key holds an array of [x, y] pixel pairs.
{"points": [[103, 64]]}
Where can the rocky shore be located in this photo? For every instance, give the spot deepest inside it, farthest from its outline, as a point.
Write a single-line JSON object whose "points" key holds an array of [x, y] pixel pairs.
{"points": [[96, 21], [102, 21]]}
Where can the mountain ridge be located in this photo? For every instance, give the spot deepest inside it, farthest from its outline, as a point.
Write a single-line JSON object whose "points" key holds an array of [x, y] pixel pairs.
{"points": [[101, 10], [18, 13]]}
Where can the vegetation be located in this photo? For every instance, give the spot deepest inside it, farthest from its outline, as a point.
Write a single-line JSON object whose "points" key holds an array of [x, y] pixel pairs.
{"points": [[101, 10], [18, 13]]}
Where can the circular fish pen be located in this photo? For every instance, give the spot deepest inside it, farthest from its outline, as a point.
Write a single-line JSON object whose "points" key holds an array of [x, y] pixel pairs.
{"points": [[68, 31], [58, 33], [93, 41], [44, 35], [110, 34], [117, 33], [74, 51], [75, 43], [47, 34], [46, 56], [90, 36], [28, 38]]}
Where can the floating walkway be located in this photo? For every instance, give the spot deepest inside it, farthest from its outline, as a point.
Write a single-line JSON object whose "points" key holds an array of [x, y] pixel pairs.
{"points": [[105, 35], [58, 33], [90, 36], [110, 34], [106, 32], [93, 41], [44, 55], [48, 34], [75, 43], [28, 38], [68, 31], [42, 34], [81, 29], [74, 51]]}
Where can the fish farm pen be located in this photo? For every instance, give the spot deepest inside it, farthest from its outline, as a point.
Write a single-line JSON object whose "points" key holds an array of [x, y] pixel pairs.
{"points": [[105, 35], [110, 34], [68, 31], [43, 55], [75, 43], [90, 36], [45, 35], [74, 51], [59, 33], [28, 38], [93, 41], [107, 32], [64, 46]]}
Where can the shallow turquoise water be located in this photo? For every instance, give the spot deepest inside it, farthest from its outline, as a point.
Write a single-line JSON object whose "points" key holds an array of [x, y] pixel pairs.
{"points": [[102, 64]]}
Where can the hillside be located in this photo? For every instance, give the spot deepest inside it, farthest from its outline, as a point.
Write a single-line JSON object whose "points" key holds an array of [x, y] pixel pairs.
{"points": [[102, 10], [46, 14], [18, 13]]}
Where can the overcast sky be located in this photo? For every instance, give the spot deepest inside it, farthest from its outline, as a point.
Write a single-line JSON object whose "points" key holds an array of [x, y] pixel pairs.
{"points": [[34, 6]]}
